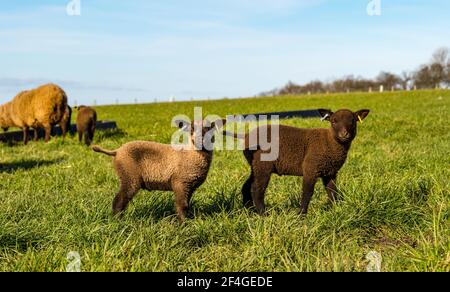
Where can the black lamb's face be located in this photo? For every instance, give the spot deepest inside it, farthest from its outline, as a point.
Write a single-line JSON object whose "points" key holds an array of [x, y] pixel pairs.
{"points": [[344, 123]]}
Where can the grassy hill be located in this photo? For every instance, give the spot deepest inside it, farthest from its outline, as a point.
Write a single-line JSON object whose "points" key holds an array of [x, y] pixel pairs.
{"points": [[56, 198]]}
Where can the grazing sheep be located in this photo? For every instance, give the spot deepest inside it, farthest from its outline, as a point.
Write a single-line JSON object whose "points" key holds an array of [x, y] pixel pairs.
{"points": [[311, 153], [66, 119], [153, 166], [86, 123], [42, 107]]}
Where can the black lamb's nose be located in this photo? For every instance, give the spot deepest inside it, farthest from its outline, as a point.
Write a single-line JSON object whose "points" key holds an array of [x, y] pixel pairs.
{"points": [[344, 134]]}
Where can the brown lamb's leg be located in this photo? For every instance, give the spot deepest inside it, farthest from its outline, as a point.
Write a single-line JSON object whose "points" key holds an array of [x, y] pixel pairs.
{"points": [[309, 183], [183, 195], [89, 134], [330, 186], [123, 197], [87, 137], [93, 128]]}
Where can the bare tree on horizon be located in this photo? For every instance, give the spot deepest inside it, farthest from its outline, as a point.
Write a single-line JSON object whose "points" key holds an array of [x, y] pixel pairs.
{"points": [[435, 74]]}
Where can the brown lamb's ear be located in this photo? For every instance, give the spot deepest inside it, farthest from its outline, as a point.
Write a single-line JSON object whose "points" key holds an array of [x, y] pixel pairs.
{"points": [[183, 125], [362, 115], [325, 114]]}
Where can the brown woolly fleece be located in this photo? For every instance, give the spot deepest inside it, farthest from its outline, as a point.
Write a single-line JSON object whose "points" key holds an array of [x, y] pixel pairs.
{"points": [[86, 123], [153, 166], [311, 153], [42, 107]]}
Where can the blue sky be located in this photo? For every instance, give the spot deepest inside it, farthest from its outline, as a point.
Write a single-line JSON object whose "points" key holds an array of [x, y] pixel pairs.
{"points": [[137, 49]]}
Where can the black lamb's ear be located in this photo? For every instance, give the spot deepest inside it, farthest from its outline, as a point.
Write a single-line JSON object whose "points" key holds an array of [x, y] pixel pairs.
{"points": [[362, 114], [325, 114]]}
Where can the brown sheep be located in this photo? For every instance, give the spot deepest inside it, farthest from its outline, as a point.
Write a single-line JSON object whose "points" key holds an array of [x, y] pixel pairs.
{"points": [[67, 118], [153, 166], [86, 123], [42, 107], [311, 153]]}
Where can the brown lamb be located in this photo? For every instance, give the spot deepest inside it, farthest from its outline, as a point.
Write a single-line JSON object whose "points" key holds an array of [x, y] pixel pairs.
{"points": [[311, 153], [42, 107], [86, 123], [154, 166]]}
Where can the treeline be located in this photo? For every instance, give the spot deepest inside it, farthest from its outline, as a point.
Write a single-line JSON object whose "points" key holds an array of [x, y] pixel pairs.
{"points": [[435, 74]]}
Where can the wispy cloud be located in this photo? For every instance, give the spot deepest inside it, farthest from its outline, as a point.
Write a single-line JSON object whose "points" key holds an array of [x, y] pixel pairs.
{"points": [[33, 82]]}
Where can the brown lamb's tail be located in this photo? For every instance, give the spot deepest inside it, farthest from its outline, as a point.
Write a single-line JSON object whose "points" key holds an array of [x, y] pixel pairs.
{"points": [[101, 150]]}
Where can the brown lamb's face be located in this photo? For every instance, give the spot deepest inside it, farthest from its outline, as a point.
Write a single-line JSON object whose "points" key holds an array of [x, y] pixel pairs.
{"points": [[344, 123], [202, 133]]}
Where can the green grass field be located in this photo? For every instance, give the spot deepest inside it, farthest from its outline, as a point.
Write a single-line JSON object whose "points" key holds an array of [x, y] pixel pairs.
{"points": [[56, 198]]}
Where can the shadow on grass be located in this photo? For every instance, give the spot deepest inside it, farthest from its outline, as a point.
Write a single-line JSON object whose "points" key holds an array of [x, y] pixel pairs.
{"points": [[20, 243], [108, 134], [157, 206], [26, 165], [221, 202], [9, 142], [162, 205]]}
